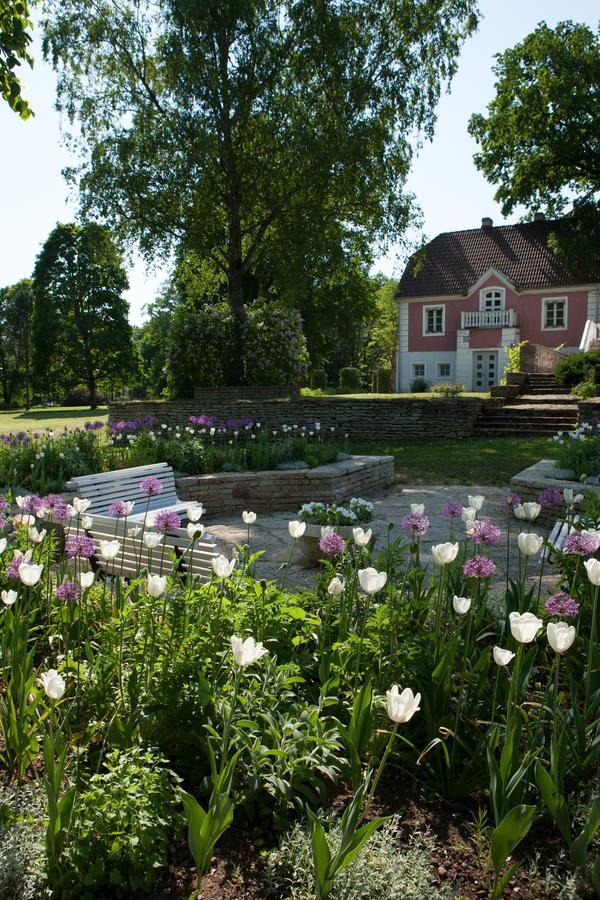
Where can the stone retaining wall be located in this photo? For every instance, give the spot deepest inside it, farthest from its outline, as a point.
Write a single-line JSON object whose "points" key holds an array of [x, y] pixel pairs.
{"points": [[536, 358], [244, 392], [529, 484], [359, 476], [381, 419]]}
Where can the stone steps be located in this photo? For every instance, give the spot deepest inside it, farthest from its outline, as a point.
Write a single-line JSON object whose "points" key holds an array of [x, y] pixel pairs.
{"points": [[545, 408]]}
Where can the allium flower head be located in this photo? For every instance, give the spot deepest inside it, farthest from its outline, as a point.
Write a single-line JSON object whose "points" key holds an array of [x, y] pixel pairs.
{"points": [[120, 508], [483, 532], [151, 486], [69, 590], [510, 500], [331, 543], [452, 509], [580, 543], [479, 567], [561, 604], [418, 523], [550, 497], [3, 503], [79, 545], [166, 520]]}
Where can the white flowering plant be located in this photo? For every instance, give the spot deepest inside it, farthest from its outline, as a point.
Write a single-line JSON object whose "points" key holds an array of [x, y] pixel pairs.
{"points": [[354, 512]]}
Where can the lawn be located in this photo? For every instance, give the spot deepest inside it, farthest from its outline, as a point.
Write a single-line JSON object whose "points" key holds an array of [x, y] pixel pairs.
{"points": [[54, 417], [365, 395], [476, 460]]}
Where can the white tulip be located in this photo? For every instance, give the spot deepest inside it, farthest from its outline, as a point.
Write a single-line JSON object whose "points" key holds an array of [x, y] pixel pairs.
{"points": [[3, 545], [223, 567], [528, 511], [560, 636], [194, 530], [37, 536], [417, 508], [23, 520], [86, 579], [401, 707], [80, 506], [443, 554], [371, 580], [26, 557], [20, 500], [530, 544], [70, 510], [246, 652], [502, 657], [8, 597], [476, 501], [468, 514], [156, 585], [361, 537], [296, 529], [30, 573], [461, 605], [249, 517], [336, 586], [152, 540], [86, 522], [109, 549], [195, 513], [571, 498], [133, 531], [592, 567], [53, 684], [524, 626]]}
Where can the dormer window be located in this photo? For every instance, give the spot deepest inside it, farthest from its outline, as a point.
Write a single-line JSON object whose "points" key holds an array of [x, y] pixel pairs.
{"points": [[491, 299]]}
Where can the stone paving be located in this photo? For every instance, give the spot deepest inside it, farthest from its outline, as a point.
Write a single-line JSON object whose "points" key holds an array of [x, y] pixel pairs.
{"points": [[270, 533]]}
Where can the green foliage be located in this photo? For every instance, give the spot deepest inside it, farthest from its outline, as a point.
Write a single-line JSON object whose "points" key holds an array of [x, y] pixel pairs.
{"points": [[318, 380], [545, 109], [16, 307], [123, 822], [22, 811], [514, 357], [420, 386], [581, 452], [382, 380], [574, 367], [585, 389], [349, 378], [355, 512], [513, 828], [80, 327], [274, 346], [15, 37], [448, 390]]}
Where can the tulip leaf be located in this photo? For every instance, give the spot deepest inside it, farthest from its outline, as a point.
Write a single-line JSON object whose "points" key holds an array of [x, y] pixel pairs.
{"points": [[580, 845], [509, 833], [556, 803]]}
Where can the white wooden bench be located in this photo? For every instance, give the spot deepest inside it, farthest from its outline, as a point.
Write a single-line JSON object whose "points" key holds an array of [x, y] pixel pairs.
{"points": [[193, 558], [124, 484], [557, 536]]}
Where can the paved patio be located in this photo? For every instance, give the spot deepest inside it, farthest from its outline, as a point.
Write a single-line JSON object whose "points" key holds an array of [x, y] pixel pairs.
{"points": [[270, 533]]}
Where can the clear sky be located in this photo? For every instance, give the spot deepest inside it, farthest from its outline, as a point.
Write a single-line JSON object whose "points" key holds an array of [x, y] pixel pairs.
{"points": [[449, 189]]}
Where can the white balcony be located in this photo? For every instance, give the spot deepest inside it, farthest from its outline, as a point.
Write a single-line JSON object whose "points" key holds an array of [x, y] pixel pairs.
{"points": [[491, 318]]}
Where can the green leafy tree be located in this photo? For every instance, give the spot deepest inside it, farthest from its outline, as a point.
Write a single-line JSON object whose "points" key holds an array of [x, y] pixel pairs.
{"points": [[15, 25], [16, 305], [80, 329], [209, 126], [539, 139]]}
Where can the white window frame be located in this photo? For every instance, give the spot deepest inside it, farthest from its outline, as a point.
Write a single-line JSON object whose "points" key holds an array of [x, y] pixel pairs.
{"points": [[426, 309], [489, 289], [414, 375], [545, 302], [439, 366]]}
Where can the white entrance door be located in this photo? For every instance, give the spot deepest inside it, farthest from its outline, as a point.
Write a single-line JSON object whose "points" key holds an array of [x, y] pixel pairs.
{"points": [[485, 369]]}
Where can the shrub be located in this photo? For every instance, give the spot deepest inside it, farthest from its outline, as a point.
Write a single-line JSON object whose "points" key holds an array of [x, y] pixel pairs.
{"points": [[201, 348], [274, 346], [448, 390], [419, 386], [585, 389], [122, 825], [318, 380], [349, 378], [574, 368], [382, 380], [80, 397], [22, 811]]}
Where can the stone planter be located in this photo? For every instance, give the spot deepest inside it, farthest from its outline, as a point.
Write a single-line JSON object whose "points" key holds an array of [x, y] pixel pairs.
{"points": [[309, 542]]}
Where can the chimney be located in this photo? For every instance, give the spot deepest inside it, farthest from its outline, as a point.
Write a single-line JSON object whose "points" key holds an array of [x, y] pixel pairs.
{"points": [[539, 217], [487, 222]]}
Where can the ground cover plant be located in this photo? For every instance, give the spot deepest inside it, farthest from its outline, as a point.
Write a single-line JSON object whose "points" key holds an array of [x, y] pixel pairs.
{"points": [[147, 710]]}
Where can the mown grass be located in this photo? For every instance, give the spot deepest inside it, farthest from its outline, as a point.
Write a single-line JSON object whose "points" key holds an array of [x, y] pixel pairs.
{"points": [[317, 394], [475, 460], [54, 417]]}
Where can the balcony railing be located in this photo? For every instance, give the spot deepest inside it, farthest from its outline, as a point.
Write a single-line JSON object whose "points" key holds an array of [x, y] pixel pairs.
{"points": [[491, 318]]}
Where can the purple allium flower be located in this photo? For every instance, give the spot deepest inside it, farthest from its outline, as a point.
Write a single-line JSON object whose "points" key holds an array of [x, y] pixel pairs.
{"points": [[560, 604], [57, 508], [79, 545], [550, 497], [70, 590], [452, 509], [479, 567], [3, 503], [166, 520], [594, 421], [12, 570], [203, 421], [580, 543], [119, 509], [510, 500], [331, 543], [2, 522], [151, 486], [418, 523], [31, 504], [483, 532]]}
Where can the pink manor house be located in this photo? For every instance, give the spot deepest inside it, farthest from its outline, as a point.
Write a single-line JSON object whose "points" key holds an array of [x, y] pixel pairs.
{"points": [[468, 295]]}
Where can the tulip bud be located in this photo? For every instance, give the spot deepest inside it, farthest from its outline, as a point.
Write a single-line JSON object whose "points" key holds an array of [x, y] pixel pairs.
{"points": [[530, 544], [443, 554], [502, 657], [336, 587], [524, 626], [592, 567], [476, 501], [560, 636], [249, 517], [461, 605], [371, 581], [296, 529], [362, 538]]}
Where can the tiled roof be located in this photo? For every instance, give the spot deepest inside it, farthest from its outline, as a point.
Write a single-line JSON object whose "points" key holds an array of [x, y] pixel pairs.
{"points": [[452, 262]]}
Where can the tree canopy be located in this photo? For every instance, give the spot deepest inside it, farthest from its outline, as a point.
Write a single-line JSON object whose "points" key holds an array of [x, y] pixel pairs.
{"points": [[539, 139], [80, 329], [16, 305], [222, 125], [15, 37]]}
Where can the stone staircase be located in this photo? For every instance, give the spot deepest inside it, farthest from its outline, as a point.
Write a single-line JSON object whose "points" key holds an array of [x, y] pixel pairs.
{"points": [[544, 408]]}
